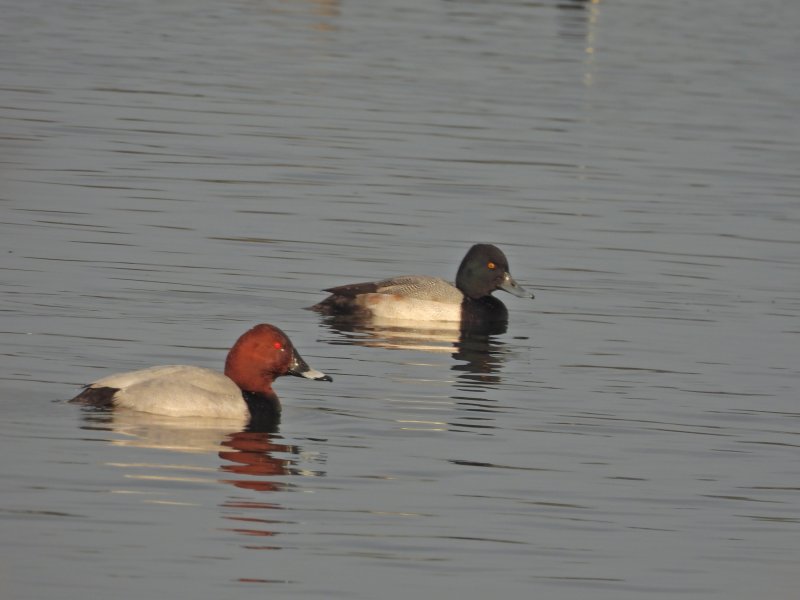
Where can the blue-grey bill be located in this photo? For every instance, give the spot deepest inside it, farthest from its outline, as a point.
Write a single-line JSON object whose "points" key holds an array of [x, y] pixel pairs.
{"points": [[512, 287]]}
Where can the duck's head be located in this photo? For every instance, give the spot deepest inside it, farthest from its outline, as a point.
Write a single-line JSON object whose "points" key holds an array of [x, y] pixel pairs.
{"points": [[262, 354], [484, 270]]}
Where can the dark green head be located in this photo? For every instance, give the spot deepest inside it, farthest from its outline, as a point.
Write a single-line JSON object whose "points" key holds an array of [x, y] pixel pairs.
{"points": [[484, 270]]}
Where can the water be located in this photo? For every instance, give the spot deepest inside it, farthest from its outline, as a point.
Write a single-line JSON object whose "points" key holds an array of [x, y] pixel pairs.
{"points": [[174, 172]]}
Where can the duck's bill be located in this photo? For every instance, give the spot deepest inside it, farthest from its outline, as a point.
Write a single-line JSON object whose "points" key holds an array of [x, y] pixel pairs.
{"points": [[300, 368], [512, 287]]}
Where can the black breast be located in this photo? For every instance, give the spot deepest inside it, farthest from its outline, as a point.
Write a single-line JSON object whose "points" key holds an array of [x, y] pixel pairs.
{"points": [[265, 411]]}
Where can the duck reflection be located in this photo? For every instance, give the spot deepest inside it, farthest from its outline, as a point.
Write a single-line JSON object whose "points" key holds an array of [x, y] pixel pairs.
{"points": [[578, 24], [253, 457], [476, 346], [262, 457], [480, 356], [478, 359], [577, 20], [137, 429]]}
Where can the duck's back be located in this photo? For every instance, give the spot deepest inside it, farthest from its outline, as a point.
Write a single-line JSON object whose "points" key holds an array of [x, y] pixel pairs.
{"points": [[174, 390], [421, 287], [416, 297]]}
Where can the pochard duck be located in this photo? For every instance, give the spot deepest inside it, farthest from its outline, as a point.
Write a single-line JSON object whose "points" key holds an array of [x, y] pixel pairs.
{"points": [[483, 270], [245, 389]]}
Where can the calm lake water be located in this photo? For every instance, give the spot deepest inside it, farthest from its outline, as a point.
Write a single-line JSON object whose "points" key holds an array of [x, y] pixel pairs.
{"points": [[174, 172]]}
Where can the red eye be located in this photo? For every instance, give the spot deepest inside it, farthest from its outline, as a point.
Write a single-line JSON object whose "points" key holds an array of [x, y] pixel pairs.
{"points": [[278, 346]]}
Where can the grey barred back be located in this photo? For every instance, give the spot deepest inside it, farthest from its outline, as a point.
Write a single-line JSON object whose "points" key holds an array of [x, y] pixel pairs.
{"points": [[421, 287]]}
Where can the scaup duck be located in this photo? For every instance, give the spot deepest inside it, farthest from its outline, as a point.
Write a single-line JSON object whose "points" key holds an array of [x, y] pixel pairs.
{"points": [[483, 270]]}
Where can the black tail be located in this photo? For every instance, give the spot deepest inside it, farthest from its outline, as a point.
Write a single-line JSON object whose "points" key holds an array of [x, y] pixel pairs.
{"points": [[96, 396], [342, 299]]}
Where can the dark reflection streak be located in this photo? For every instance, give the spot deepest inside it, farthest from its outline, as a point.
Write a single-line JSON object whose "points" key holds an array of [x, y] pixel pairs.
{"points": [[85, 337], [53, 211], [590, 416], [154, 92], [469, 463], [695, 256], [97, 186], [756, 442], [474, 426], [98, 243], [626, 368], [628, 316], [90, 227]]}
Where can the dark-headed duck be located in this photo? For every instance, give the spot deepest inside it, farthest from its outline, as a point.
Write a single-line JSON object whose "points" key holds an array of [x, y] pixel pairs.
{"points": [[422, 298]]}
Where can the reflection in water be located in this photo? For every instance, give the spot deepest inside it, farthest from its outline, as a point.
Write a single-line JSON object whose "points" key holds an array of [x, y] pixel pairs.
{"points": [[578, 21], [476, 345], [175, 434], [261, 458], [256, 455], [326, 12], [478, 355], [393, 334], [482, 357]]}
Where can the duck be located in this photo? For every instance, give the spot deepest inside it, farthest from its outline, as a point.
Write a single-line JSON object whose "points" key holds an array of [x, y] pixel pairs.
{"points": [[483, 270], [244, 391]]}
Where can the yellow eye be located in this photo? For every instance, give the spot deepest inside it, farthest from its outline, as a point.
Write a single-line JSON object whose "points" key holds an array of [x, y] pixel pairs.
{"points": [[491, 266]]}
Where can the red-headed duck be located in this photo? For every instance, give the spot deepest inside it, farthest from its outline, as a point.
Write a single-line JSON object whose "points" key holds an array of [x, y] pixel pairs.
{"points": [[483, 270], [245, 390]]}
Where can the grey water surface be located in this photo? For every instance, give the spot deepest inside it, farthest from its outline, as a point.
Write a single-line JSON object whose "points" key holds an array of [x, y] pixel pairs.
{"points": [[173, 172]]}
